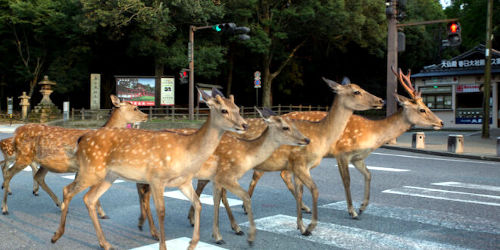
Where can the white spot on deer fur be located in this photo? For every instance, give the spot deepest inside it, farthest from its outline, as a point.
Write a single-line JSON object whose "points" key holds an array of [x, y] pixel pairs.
{"points": [[169, 145], [168, 158]]}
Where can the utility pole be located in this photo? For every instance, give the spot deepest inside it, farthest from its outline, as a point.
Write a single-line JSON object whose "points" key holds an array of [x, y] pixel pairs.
{"points": [[487, 74], [192, 29], [392, 56]]}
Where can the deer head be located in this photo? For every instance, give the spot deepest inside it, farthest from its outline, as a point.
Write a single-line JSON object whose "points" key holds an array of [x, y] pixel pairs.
{"points": [[357, 98], [125, 111], [223, 112], [283, 130], [415, 109]]}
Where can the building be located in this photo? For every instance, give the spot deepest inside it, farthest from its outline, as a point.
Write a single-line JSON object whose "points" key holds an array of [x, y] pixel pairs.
{"points": [[453, 88]]}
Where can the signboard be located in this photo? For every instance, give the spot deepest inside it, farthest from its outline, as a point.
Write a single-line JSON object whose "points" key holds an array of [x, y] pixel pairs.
{"points": [[95, 91], [470, 116], [469, 63], [467, 88], [10, 103], [65, 111], [256, 81], [167, 94], [139, 91]]}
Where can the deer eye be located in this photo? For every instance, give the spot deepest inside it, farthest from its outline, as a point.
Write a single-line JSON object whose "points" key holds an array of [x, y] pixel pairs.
{"points": [[422, 110], [357, 92], [286, 128], [224, 111]]}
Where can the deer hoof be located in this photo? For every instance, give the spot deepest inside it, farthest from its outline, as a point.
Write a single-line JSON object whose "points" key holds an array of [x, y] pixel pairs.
{"points": [[35, 193], [220, 242], [155, 237], [5, 213], [105, 217], [140, 228], [307, 233], [10, 193], [250, 243], [239, 233]]}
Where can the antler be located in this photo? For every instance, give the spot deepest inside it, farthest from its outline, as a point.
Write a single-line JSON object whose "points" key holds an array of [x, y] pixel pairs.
{"points": [[406, 82]]}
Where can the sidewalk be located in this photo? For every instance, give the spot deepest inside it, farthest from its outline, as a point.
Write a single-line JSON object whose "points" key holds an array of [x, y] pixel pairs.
{"points": [[436, 143]]}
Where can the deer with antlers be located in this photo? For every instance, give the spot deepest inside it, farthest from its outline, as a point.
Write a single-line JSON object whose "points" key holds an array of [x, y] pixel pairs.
{"points": [[9, 156], [362, 136], [53, 148], [157, 158], [230, 161], [299, 160]]}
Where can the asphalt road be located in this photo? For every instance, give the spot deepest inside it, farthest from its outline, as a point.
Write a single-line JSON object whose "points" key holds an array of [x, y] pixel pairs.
{"points": [[417, 202]]}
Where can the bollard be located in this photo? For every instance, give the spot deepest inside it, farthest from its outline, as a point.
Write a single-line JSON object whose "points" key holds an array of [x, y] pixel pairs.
{"points": [[498, 146], [418, 140], [456, 144]]}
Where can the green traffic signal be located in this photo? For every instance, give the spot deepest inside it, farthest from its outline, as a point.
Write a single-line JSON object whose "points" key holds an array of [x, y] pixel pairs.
{"points": [[217, 28]]}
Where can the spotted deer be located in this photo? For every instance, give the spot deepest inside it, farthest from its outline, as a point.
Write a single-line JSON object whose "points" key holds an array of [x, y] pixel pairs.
{"points": [[362, 136], [299, 160], [9, 156], [231, 160], [157, 158], [53, 148]]}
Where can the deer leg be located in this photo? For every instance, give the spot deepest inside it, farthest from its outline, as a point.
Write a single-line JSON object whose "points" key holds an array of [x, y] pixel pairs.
{"points": [[40, 179], [343, 165], [234, 187], [234, 225], [144, 192], [100, 211], [7, 177], [255, 178], [91, 200], [188, 190], [303, 176], [217, 193], [287, 178], [34, 170], [5, 166], [199, 189], [361, 166], [157, 190]]}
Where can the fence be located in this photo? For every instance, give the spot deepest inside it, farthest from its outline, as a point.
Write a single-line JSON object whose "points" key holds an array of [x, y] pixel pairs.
{"points": [[182, 113]]}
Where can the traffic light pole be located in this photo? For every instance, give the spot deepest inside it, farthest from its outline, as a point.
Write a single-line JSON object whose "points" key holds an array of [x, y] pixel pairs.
{"points": [[192, 29], [392, 59], [487, 75]]}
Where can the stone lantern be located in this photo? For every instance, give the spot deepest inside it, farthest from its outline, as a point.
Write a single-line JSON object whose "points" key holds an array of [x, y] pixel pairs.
{"points": [[25, 103], [46, 110]]}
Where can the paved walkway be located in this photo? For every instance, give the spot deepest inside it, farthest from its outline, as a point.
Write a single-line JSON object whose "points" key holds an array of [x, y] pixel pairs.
{"points": [[436, 143]]}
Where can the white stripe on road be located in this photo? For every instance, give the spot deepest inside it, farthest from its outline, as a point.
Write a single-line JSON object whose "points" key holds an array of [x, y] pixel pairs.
{"points": [[431, 217], [27, 169], [72, 177], [180, 243], [491, 200], [438, 159], [468, 185], [204, 198], [343, 236], [382, 168]]}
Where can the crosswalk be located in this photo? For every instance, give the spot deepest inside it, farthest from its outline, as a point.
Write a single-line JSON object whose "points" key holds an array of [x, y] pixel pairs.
{"points": [[180, 243], [204, 198]]}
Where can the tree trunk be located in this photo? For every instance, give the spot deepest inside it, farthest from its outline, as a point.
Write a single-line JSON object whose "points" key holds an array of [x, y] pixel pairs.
{"points": [[266, 84], [230, 71], [158, 74]]}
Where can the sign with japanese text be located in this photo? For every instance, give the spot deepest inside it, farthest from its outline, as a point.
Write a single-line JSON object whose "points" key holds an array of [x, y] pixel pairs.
{"points": [[139, 91], [95, 91], [167, 94], [468, 63], [467, 88]]}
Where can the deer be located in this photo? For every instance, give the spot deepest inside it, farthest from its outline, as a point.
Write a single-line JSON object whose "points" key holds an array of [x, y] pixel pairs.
{"points": [[157, 158], [299, 160], [53, 148], [362, 136], [9, 156], [232, 158]]}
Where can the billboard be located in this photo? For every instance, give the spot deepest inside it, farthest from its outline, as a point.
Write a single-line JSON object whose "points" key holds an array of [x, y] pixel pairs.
{"points": [[167, 94], [139, 91]]}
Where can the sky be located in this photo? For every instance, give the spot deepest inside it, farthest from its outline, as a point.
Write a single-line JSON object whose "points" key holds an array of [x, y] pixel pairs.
{"points": [[445, 3]]}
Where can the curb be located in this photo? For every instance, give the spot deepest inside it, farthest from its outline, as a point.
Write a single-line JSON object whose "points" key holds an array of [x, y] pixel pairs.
{"points": [[441, 153]]}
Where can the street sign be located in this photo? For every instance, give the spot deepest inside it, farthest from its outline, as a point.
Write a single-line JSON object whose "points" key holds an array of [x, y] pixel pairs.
{"points": [[256, 79], [10, 104]]}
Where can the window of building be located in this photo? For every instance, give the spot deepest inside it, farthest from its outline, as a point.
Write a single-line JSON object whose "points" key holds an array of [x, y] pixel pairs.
{"points": [[437, 97]]}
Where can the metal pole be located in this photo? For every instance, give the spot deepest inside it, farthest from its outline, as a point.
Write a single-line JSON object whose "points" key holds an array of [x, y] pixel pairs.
{"points": [[191, 72], [392, 58], [487, 74]]}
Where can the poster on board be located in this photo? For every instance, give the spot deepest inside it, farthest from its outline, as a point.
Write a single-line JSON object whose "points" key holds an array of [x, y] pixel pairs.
{"points": [[139, 91]]}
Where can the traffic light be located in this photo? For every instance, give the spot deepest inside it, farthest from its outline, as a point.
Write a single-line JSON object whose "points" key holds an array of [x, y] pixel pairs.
{"points": [[454, 33], [183, 76], [232, 29]]}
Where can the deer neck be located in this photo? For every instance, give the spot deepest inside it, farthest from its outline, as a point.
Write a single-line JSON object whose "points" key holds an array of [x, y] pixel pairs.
{"points": [[203, 142], [260, 148], [393, 126], [115, 120], [332, 126]]}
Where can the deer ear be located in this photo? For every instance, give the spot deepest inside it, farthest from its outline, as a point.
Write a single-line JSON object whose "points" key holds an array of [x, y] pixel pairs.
{"points": [[204, 96], [401, 99], [346, 80], [332, 84], [115, 100], [216, 92], [264, 113]]}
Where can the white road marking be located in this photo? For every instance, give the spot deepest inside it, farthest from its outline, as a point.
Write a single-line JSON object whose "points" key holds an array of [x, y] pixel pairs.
{"points": [[438, 159], [491, 200], [382, 168], [343, 236], [425, 216], [468, 185], [72, 177], [27, 169], [180, 243], [204, 198]]}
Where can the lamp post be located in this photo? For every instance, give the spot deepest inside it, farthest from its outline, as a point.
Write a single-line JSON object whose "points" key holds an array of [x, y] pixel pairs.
{"points": [[192, 29]]}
